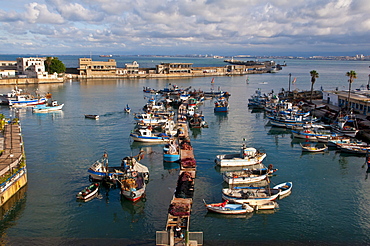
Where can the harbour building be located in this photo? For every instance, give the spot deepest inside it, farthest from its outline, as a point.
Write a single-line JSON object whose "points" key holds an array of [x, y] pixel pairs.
{"points": [[359, 100]]}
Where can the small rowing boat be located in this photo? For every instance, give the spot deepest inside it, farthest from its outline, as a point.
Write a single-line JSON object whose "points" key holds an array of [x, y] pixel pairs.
{"points": [[226, 208], [313, 148], [92, 116], [88, 192]]}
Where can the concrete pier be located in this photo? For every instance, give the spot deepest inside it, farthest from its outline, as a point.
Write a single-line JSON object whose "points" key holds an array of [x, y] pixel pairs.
{"points": [[13, 172], [177, 231]]}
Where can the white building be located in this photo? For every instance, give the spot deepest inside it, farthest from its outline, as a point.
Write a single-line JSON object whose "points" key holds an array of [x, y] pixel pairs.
{"points": [[330, 97], [33, 67]]}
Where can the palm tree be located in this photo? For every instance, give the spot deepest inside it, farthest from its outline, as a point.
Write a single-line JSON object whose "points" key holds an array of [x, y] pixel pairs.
{"points": [[314, 75], [48, 63], [352, 75]]}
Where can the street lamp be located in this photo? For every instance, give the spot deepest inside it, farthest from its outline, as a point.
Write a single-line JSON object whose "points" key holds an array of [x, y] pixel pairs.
{"points": [[290, 76]]}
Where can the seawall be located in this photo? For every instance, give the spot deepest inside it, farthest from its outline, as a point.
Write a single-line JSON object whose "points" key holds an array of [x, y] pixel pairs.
{"points": [[13, 172]]}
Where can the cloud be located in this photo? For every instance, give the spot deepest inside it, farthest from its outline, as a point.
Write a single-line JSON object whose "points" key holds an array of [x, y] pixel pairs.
{"points": [[188, 25]]}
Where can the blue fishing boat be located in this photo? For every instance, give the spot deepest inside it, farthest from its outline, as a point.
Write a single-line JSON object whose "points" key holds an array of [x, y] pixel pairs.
{"points": [[46, 108], [171, 152], [221, 105]]}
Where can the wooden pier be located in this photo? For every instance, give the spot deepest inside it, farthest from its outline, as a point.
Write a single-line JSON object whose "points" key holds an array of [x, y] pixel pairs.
{"points": [[13, 172], [177, 231]]}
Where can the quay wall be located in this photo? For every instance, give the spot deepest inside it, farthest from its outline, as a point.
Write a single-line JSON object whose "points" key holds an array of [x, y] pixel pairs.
{"points": [[154, 76], [13, 189], [12, 158], [26, 81]]}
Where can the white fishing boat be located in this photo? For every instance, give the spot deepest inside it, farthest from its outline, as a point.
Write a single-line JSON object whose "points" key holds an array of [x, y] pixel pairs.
{"points": [[26, 101], [246, 157], [146, 135], [47, 108], [258, 195], [246, 176], [226, 208]]}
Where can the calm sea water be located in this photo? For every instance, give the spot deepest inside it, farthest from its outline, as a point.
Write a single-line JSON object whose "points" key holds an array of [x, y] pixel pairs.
{"points": [[329, 203]]}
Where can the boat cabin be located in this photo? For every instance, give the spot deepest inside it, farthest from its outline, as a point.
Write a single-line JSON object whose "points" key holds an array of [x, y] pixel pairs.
{"points": [[247, 152]]}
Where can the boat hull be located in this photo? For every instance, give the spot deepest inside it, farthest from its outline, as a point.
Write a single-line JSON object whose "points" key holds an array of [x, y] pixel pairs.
{"points": [[88, 192], [133, 195], [171, 157], [235, 160], [257, 196], [142, 139], [221, 109], [27, 103], [230, 209], [243, 180], [47, 109], [92, 116], [285, 188]]}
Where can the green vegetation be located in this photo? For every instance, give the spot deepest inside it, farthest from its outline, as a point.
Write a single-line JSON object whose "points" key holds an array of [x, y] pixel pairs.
{"points": [[54, 65], [352, 75], [2, 122], [314, 75]]}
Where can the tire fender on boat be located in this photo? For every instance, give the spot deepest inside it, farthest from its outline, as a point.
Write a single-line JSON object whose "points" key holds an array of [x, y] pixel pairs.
{"points": [[132, 194], [134, 174]]}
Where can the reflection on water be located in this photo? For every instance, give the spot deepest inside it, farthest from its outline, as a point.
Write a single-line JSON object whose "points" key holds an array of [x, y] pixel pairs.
{"points": [[228, 217], [171, 165], [11, 211], [195, 132]]}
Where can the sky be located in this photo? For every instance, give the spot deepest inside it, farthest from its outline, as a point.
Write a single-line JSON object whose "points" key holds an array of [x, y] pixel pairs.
{"points": [[183, 27]]}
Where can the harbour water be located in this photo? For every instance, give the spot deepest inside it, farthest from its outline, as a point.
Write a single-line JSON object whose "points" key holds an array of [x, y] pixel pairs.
{"points": [[329, 204]]}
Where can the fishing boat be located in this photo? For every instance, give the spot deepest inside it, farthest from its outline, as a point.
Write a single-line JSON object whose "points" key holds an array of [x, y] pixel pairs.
{"points": [[226, 208], [285, 189], [26, 101], [132, 186], [257, 195], [246, 157], [171, 152], [313, 133], [308, 147], [354, 149], [149, 118], [197, 121], [146, 135], [46, 108], [100, 170], [88, 192], [246, 176], [221, 105], [127, 109], [345, 124], [92, 116]]}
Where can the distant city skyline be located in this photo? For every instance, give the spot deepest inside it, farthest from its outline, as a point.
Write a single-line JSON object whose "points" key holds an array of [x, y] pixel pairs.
{"points": [[223, 28]]}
